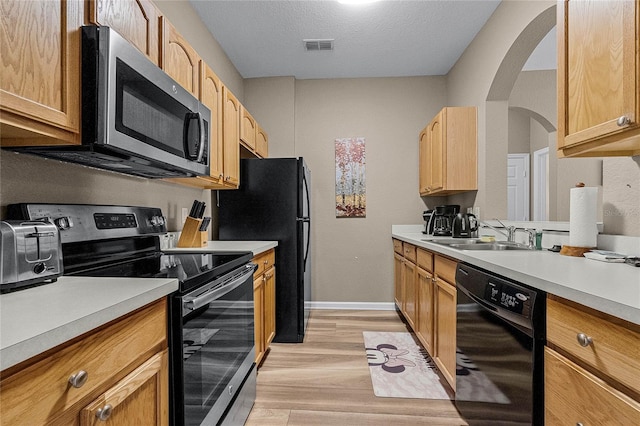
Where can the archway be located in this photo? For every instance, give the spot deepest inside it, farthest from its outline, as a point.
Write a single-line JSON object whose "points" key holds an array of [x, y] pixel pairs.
{"points": [[497, 101]]}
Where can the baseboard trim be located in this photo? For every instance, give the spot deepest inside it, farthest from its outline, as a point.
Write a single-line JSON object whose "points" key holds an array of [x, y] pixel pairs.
{"points": [[365, 306]]}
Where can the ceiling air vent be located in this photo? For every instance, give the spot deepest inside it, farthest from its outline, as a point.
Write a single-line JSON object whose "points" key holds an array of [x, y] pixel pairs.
{"points": [[318, 44]]}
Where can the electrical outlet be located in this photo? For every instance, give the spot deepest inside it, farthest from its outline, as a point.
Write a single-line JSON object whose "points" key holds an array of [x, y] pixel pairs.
{"points": [[185, 214]]}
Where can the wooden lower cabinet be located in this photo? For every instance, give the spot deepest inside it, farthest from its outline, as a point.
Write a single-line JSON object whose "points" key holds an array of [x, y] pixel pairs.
{"points": [[573, 396], [445, 325], [592, 366], [425, 294], [137, 400], [264, 297], [425, 329], [398, 280], [409, 304], [123, 364]]}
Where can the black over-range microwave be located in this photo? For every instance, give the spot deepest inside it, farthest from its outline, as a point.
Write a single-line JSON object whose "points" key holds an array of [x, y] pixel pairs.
{"points": [[135, 118]]}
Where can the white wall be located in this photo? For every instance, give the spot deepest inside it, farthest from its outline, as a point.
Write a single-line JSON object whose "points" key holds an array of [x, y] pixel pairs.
{"points": [[352, 257]]}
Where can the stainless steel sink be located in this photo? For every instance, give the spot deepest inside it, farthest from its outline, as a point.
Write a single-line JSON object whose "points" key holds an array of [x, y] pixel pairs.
{"points": [[490, 246], [448, 241], [477, 244]]}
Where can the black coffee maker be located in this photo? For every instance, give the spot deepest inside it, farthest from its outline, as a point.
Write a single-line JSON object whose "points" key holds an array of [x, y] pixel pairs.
{"points": [[443, 219]]}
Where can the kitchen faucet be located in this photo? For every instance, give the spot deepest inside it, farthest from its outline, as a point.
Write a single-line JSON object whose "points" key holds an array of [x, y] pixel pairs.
{"points": [[511, 232]]}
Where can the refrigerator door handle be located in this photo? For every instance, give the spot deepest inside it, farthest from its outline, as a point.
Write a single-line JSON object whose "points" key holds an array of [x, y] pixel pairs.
{"points": [[305, 220]]}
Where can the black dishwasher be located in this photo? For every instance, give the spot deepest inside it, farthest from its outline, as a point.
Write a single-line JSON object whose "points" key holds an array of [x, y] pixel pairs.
{"points": [[500, 336]]}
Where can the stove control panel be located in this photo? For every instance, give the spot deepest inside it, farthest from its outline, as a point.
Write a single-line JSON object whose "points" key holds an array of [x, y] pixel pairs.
{"points": [[87, 222]]}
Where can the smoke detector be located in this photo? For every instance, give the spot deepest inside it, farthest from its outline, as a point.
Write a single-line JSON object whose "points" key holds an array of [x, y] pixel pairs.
{"points": [[313, 45]]}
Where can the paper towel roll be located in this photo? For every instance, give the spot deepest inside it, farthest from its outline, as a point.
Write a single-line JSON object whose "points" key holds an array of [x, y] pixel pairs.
{"points": [[583, 231]]}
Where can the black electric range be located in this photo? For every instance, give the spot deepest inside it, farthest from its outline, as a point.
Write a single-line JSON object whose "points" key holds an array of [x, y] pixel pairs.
{"points": [[211, 337]]}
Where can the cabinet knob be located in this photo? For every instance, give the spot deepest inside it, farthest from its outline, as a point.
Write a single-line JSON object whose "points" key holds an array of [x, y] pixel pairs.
{"points": [[623, 121], [79, 379], [104, 413], [584, 340]]}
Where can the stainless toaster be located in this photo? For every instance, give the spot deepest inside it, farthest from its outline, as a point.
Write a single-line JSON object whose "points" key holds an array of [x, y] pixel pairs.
{"points": [[31, 253]]}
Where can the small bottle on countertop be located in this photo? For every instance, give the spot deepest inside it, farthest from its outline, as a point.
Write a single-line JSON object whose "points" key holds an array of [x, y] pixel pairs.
{"points": [[538, 239]]}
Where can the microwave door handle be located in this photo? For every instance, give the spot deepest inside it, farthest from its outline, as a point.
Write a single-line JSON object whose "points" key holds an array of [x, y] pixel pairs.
{"points": [[202, 135], [189, 117]]}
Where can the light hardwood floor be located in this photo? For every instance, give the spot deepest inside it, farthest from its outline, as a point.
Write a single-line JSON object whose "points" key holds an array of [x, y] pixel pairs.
{"points": [[325, 380]]}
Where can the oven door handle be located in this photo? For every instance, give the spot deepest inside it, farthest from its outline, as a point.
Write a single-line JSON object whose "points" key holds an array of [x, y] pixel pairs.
{"points": [[211, 295]]}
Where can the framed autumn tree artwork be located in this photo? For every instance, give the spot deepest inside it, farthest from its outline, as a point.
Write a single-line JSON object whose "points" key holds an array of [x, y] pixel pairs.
{"points": [[351, 197]]}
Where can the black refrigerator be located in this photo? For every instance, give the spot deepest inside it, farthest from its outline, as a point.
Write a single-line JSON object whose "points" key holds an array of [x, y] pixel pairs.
{"points": [[273, 203]]}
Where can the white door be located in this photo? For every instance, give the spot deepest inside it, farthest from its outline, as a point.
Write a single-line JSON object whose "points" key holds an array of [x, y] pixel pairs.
{"points": [[518, 187], [541, 184]]}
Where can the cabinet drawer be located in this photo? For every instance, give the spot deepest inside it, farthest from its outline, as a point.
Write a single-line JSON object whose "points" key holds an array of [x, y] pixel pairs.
{"points": [[425, 259], [445, 269], [264, 261], [397, 246], [43, 390], [614, 349], [574, 396], [409, 252]]}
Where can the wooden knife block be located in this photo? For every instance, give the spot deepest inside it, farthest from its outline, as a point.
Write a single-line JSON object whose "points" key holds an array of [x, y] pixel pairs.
{"points": [[191, 236]]}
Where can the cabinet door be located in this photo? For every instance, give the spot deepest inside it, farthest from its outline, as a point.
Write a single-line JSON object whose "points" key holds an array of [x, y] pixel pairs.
{"points": [[258, 315], [398, 280], [247, 128], [141, 398], [40, 71], [262, 143], [424, 325], [437, 159], [425, 164], [574, 396], [445, 322], [211, 97], [269, 306], [135, 20], [597, 74], [179, 58], [231, 138], [409, 303]]}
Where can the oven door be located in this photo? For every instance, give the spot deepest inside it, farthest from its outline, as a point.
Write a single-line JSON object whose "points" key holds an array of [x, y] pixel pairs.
{"points": [[212, 342]]}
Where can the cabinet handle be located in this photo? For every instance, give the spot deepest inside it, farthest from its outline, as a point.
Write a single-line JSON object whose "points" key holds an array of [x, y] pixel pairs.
{"points": [[623, 121], [79, 379], [584, 340], [228, 177], [104, 413]]}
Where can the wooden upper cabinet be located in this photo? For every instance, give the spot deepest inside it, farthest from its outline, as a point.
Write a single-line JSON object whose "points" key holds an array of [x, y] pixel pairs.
{"points": [[211, 97], [135, 20], [247, 129], [598, 78], [262, 143], [179, 59], [40, 71], [449, 152], [231, 138]]}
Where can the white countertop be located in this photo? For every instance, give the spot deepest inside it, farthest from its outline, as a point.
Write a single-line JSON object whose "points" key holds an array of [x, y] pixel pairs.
{"points": [[256, 247], [39, 318], [613, 288]]}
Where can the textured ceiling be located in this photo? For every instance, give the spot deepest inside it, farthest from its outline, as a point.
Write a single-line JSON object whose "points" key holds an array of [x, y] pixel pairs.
{"points": [[382, 39]]}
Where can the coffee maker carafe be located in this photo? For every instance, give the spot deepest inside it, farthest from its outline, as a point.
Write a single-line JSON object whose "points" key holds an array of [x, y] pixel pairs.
{"points": [[427, 215], [443, 219]]}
